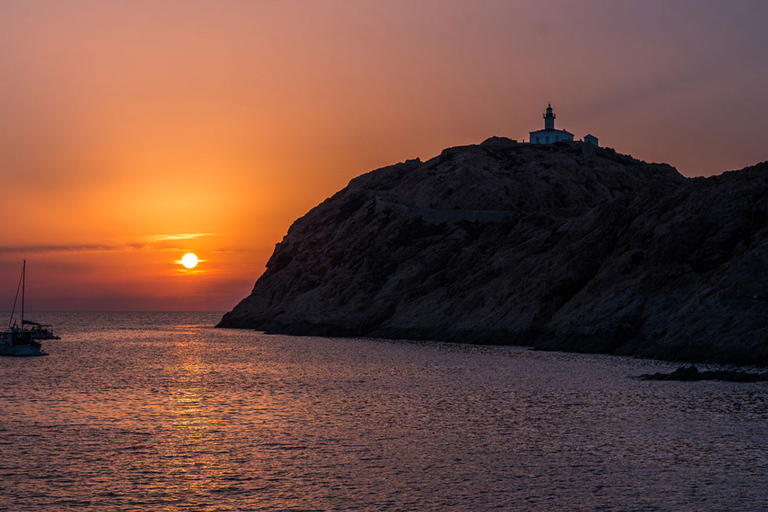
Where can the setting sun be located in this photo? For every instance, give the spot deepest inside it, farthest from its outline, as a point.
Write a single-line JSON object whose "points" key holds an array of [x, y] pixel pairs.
{"points": [[189, 260]]}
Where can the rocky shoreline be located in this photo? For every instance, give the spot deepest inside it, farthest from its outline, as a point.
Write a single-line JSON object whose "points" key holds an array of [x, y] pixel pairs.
{"points": [[559, 247]]}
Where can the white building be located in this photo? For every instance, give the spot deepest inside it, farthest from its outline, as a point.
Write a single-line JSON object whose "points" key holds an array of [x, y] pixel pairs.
{"points": [[549, 135]]}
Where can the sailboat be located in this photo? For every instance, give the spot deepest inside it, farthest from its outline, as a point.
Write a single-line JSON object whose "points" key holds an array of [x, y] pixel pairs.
{"points": [[17, 340]]}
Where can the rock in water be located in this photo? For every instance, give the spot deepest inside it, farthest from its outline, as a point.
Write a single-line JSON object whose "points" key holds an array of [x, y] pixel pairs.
{"points": [[559, 246], [691, 373]]}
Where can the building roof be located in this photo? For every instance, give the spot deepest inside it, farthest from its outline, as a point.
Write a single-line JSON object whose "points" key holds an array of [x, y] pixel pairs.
{"points": [[551, 131]]}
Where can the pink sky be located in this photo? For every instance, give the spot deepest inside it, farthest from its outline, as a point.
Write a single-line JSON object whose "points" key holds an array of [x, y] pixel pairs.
{"points": [[134, 131]]}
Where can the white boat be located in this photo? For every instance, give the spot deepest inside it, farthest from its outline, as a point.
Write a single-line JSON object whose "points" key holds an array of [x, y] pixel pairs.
{"points": [[19, 341]]}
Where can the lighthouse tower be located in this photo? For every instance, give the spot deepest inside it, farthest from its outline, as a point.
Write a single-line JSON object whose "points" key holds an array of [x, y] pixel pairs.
{"points": [[549, 135], [549, 118]]}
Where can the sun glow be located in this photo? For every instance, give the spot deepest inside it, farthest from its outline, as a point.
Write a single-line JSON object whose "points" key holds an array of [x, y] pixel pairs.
{"points": [[189, 260]]}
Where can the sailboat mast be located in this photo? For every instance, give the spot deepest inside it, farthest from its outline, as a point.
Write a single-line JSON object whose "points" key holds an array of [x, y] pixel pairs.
{"points": [[23, 286], [16, 299]]}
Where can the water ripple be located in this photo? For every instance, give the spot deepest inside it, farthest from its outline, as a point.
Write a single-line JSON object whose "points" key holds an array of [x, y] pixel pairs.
{"points": [[161, 412]]}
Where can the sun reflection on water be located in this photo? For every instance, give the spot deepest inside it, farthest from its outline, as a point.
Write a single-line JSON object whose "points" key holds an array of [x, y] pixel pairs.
{"points": [[186, 449]]}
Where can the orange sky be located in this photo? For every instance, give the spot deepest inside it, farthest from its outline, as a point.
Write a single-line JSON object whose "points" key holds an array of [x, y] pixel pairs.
{"points": [[134, 131]]}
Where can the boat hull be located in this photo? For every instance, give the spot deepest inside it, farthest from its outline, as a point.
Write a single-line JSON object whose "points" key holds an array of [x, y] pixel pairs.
{"points": [[20, 344], [44, 335], [21, 351]]}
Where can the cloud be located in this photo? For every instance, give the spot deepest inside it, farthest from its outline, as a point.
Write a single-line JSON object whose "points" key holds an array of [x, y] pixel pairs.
{"points": [[40, 249], [177, 236], [147, 243]]}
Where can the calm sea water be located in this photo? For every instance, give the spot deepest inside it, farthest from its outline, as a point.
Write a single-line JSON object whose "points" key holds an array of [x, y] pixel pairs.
{"points": [[162, 412]]}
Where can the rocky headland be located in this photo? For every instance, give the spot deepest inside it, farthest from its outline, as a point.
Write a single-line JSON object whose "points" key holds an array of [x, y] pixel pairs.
{"points": [[559, 247]]}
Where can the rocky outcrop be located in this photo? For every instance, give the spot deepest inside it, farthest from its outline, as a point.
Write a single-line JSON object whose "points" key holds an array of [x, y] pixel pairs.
{"points": [[561, 247], [691, 374]]}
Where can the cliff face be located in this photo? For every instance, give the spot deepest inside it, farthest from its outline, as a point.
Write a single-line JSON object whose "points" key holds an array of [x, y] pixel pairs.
{"points": [[559, 246]]}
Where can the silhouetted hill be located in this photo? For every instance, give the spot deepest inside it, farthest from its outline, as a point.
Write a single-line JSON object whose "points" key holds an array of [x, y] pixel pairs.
{"points": [[560, 246]]}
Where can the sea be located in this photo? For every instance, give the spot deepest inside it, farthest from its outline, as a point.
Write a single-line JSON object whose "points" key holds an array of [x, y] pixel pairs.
{"points": [[163, 412]]}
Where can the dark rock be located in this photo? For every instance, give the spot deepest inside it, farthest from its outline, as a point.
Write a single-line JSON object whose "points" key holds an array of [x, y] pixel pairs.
{"points": [[498, 143], [544, 245], [691, 373]]}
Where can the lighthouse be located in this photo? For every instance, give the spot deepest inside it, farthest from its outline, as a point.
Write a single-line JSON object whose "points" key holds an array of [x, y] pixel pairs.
{"points": [[549, 118], [549, 134]]}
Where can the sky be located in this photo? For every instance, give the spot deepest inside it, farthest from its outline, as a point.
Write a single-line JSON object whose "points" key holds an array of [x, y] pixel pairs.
{"points": [[132, 132]]}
